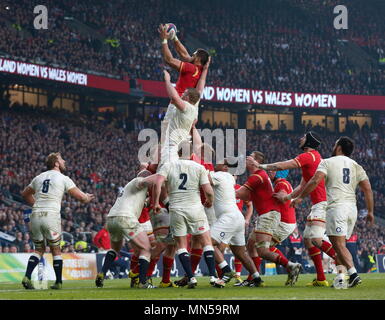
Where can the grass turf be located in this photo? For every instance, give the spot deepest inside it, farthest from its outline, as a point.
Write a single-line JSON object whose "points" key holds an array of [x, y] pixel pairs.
{"points": [[372, 288]]}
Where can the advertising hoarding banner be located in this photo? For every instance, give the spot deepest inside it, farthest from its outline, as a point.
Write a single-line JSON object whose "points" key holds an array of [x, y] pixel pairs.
{"points": [[76, 266]]}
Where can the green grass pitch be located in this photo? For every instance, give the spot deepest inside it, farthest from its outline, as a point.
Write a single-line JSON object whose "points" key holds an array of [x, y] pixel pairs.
{"points": [[372, 288]]}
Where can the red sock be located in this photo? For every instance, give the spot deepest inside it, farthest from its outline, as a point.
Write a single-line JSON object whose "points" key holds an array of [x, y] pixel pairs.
{"points": [[257, 262], [167, 266], [328, 249], [315, 255], [134, 266], [151, 266], [238, 265], [195, 257], [276, 250], [219, 270]]}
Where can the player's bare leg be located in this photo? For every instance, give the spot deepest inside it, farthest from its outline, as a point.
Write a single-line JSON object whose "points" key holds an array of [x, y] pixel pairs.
{"points": [[32, 263], [345, 257], [242, 255], [263, 242], [257, 260], [226, 273]]}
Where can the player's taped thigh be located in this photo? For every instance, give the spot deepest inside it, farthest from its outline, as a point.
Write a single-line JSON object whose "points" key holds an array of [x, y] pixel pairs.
{"points": [[262, 244], [39, 245], [54, 243]]}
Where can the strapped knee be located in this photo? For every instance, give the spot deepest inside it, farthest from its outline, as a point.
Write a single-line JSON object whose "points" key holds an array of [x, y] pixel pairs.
{"points": [[263, 244], [39, 245], [54, 243]]}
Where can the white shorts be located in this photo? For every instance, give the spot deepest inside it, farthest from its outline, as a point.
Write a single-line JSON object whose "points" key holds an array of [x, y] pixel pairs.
{"points": [[229, 228], [341, 219], [185, 221], [123, 227], [317, 213], [45, 226], [283, 231], [267, 223]]}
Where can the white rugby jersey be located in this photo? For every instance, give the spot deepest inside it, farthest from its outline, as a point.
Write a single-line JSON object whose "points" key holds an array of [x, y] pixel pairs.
{"points": [[130, 200], [224, 193], [343, 175], [180, 123], [50, 187], [184, 177]]}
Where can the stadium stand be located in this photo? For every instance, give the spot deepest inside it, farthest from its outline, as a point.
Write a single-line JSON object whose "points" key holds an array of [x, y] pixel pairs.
{"points": [[274, 46]]}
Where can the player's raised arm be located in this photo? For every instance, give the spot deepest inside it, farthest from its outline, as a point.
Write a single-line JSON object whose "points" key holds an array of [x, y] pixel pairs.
{"points": [[277, 166], [172, 93], [197, 140], [182, 51], [309, 187], [27, 195], [202, 80], [167, 55], [80, 195], [368, 193]]}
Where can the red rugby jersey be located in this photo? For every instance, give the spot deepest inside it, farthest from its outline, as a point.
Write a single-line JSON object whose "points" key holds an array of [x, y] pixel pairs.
{"points": [[239, 201], [189, 75], [308, 162], [261, 192], [287, 213]]}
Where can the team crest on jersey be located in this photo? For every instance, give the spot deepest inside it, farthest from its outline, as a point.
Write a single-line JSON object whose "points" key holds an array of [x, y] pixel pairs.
{"points": [[338, 229], [222, 234], [201, 228]]}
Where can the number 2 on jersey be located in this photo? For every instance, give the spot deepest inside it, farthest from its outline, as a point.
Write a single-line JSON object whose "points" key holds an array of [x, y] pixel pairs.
{"points": [[45, 186], [346, 175], [183, 176]]}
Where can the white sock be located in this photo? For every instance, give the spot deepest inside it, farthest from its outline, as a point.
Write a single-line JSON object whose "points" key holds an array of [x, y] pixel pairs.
{"points": [[255, 275], [222, 264], [351, 271], [290, 264], [238, 274]]}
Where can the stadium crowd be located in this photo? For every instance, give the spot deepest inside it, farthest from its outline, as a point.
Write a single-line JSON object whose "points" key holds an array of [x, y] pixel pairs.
{"points": [[101, 155], [274, 46]]}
